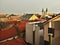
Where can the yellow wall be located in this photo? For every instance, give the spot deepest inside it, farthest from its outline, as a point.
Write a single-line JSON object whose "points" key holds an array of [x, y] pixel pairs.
{"points": [[33, 17]]}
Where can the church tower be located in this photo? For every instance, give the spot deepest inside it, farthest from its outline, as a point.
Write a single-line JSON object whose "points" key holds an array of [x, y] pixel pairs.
{"points": [[44, 12]]}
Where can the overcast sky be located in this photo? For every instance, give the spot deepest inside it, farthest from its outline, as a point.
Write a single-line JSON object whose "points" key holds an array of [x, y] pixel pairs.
{"points": [[28, 6]]}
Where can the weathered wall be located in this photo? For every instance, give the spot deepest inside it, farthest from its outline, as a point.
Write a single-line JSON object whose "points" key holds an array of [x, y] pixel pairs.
{"points": [[56, 39]]}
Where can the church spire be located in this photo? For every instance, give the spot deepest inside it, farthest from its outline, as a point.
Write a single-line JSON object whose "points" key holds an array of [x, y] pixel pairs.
{"points": [[42, 10], [46, 9]]}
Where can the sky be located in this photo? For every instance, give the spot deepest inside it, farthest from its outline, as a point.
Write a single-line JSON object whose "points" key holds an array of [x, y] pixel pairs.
{"points": [[28, 6]]}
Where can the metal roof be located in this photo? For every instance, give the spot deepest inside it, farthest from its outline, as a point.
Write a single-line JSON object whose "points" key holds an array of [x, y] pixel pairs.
{"points": [[26, 17]]}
